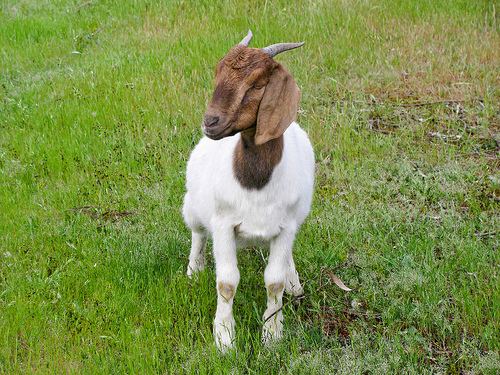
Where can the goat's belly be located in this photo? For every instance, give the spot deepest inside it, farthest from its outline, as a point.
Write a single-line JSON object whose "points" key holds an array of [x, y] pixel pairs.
{"points": [[259, 227], [250, 234]]}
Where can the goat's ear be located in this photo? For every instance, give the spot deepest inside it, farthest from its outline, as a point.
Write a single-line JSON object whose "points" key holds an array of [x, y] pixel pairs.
{"points": [[278, 107]]}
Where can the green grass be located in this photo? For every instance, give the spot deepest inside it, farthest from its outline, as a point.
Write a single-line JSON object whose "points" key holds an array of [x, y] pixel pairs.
{"points": [[100, 106]]}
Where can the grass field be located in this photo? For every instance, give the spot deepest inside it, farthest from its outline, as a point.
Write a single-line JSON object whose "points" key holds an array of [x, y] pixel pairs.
{"points": [[100, 105]]}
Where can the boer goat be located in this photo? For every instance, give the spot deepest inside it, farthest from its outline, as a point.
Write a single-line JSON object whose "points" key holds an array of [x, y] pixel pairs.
{"points": [[250, 180]]}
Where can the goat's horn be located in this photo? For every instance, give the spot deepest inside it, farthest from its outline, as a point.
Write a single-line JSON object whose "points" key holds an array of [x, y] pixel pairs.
{"points": [[274, 49], [246, 40]]}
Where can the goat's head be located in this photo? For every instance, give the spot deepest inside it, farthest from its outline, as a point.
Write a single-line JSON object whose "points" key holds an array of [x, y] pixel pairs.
{"points": [[253, 92]]}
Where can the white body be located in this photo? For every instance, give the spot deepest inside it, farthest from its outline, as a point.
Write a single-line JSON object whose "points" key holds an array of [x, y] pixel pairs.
{"points": [[218, 206]]}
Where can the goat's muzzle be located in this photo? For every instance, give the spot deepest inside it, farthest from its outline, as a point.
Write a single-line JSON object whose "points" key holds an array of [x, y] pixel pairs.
{"points": [[210, 121], [214, 128]]}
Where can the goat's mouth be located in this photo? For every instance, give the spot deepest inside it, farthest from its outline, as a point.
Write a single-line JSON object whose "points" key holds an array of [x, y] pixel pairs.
{"points": [[217, 132]]}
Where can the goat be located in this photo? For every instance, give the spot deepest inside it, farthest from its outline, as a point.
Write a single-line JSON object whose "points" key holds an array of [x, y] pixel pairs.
{"points": [[250, 180]]}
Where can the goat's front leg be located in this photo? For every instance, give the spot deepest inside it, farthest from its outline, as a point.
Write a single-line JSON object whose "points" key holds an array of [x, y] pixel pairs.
{"points": [[228, 277], [197, 254], [278, 275]]}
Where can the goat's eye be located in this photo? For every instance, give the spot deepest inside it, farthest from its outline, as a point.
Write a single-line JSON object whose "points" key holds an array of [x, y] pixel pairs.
{"points": [[258, 86]]}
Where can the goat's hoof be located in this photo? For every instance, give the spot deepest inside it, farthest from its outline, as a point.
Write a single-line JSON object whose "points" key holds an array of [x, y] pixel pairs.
{"points": [[193, 271], [224, 343], [224, 334], [293, 286], [270, 338], [224, 349], [294, 290], [272, 329]]}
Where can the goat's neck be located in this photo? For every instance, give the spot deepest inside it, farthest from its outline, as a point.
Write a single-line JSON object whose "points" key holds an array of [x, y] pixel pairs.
{"points": [[253, 165]]}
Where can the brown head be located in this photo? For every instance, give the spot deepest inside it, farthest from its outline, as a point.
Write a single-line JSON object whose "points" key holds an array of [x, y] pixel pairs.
{"points": [[253, 93]]}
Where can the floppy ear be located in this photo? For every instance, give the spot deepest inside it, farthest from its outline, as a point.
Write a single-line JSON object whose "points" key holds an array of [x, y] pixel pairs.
{"points": [[278, 107]]}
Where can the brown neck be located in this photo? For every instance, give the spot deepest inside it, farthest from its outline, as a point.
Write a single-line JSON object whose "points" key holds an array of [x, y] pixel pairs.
{"points": [[253, 165]]}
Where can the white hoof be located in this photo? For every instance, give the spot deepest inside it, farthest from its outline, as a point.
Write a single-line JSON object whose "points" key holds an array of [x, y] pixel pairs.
{"points": [[273, 329], [293, 287], [224, 334], [193, 269]]}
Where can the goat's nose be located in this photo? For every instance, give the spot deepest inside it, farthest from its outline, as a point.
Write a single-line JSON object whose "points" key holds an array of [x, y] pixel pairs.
{"points": [[209, 121]]}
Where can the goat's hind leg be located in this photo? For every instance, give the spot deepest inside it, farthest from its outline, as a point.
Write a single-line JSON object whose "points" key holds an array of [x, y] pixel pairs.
{"points": [[292, 284], [197, 254]]}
